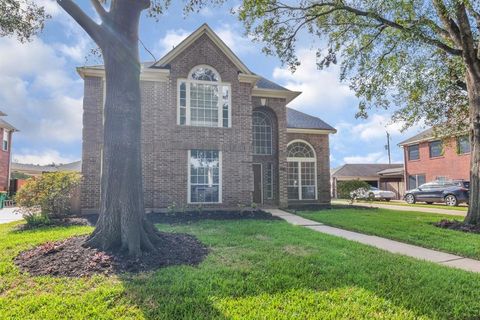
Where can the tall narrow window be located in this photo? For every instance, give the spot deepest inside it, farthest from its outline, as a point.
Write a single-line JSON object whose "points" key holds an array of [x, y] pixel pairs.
{"points": [[268, 181], [262, 133], [5, 140], [204, 176], [301, 171], [463, 144], [435, 148], [413, 152], [203, 100]]}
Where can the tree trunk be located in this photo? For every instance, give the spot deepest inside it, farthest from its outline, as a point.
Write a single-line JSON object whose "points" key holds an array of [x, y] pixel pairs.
{"points": [[122, 224], [473, 85]]}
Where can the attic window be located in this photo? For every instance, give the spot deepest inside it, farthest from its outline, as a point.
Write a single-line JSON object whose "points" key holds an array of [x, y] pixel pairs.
{"points": [[203, 100], [204, 73]]}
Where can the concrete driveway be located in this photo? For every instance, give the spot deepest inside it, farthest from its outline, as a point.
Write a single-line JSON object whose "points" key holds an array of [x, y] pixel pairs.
{"points": [[8, 215], [392, 206]]}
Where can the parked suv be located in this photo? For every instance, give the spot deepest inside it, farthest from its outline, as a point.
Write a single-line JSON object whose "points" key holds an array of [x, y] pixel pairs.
{"points": [[450, 192]]}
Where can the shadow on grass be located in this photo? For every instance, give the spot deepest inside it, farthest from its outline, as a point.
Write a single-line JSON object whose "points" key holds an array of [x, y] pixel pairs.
{"points": [[252, 266]]}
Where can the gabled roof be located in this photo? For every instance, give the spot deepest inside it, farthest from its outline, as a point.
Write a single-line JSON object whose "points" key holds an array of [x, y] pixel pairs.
{"points": [[204, 29], [422, 136], [73, 166], [364, 169], [300, 120]]}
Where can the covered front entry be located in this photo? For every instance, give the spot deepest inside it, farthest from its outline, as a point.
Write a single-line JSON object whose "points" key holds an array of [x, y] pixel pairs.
{"points": [[257, 183]]}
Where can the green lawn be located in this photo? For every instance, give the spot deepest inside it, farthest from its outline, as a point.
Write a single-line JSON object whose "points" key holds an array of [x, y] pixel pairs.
{"points": [[256, 270], [406, 226]]}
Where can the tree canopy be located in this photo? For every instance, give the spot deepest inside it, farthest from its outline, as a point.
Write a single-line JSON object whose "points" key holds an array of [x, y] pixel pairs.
{"points": [[21, 19], [393, 53]]}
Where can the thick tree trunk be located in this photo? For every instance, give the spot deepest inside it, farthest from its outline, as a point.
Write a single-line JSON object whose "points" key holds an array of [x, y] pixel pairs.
{"points": [[122, 224], [473, 85]]}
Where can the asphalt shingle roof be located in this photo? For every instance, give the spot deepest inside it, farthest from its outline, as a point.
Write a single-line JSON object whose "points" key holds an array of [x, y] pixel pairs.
{"points": [[300, 120], [424, 135], [364, 169]]}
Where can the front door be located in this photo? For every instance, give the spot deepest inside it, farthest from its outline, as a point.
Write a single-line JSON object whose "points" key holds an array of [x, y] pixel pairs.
{"points": [[257, 183]]}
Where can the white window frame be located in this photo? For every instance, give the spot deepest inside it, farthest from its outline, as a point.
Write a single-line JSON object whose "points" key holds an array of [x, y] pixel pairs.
{"points": [[271, 134], [299, 162], [220, 179], [220, 102], [5, 139]]}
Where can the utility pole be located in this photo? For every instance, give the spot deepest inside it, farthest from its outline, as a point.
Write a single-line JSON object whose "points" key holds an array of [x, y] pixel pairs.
{"points": [[387, 147]]}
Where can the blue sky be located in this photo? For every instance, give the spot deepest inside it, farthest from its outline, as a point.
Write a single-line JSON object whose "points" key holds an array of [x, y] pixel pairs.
{"points": [[42, 93]]}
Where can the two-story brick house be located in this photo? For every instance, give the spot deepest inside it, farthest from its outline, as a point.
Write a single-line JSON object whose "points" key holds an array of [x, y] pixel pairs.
{"points": [[214, 134], [6, 132], [429, 158]]}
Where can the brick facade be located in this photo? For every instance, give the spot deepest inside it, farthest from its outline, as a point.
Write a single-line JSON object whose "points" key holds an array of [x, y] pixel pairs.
{"points": [[450, 165], [165, 144], [5, 162]]}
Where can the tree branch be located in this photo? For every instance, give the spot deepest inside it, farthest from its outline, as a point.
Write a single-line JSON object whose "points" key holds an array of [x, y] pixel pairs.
{"points": [[100, 9], [451, 26], [94, 30]]}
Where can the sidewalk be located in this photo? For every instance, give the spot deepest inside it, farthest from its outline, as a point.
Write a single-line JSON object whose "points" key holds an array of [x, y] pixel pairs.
{"points": [[402, 208], [442, 258], [7, 215]]}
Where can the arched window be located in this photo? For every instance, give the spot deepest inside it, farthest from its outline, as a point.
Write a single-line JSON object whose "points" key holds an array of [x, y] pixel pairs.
{"points": [[301, 171], [203, 100], [262, 133]]}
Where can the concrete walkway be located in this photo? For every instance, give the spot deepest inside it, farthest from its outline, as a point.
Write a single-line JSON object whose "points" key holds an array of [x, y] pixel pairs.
{"points": [[442, 258], [403, 208], [8, 215]]}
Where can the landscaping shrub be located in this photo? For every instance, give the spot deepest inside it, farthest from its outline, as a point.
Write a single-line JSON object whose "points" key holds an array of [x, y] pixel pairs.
{"points": [[47, 196], [345, 187]]}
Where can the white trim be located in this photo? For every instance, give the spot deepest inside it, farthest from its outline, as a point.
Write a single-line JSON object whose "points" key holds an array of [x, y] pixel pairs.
{"points": [[310, 131], [271, 93], [261, 180], [204, 29], [220, 101], [299, 162], [146, 74], [220, 179], [248, 78]]}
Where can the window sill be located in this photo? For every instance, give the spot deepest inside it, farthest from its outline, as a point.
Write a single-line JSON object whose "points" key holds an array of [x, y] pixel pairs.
{"points": [[201, 127], [414, 160], [434, 158]]}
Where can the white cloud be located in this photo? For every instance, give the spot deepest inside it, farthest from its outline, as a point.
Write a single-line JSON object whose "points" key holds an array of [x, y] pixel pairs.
{"points": [[234, 40], [376, 127], [42, 158], [321, 89], [374, 157], [171, 39], [41, 98]]}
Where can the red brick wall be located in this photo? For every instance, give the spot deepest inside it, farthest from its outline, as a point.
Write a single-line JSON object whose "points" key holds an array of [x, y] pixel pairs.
{"points": [[450, 165], [4, 162]]}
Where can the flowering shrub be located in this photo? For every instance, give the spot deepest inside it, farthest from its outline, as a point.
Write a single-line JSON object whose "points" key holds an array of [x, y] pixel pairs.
{"points": [[47, 196]]}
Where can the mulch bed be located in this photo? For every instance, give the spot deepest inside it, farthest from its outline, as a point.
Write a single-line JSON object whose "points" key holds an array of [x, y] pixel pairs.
{"points": [[192, 216], [457, 225], [69, 258]]}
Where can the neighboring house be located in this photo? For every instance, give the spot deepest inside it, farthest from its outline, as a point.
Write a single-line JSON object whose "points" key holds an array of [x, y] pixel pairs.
{"points": [[214, 134], [7, 131], [35, 170], [383, 176], [429, 158]]}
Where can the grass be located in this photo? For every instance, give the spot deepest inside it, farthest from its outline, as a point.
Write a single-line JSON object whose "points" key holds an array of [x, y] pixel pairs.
{"points": [[462, 208], [256, 270], [406, 226]]}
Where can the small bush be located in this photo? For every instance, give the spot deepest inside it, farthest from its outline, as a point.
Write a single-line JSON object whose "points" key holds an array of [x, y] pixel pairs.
{"points": [[345, 187], [47, 196]]}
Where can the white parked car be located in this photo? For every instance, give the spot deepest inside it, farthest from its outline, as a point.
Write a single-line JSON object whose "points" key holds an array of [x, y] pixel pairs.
{"points": [[373, 194]]}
